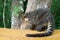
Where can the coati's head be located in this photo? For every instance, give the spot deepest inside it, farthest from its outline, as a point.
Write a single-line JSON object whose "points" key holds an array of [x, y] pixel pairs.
{"points": [[26, 24]]}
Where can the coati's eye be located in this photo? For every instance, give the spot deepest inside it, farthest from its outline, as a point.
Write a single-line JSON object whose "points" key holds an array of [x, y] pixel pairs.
{"points": [[25, 16]]}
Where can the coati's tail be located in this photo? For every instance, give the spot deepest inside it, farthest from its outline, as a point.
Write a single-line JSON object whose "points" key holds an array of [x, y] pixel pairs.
{"points": [[39, 35], [48, 32]]}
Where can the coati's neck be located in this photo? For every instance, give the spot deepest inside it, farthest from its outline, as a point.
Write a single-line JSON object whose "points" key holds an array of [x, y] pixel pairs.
{"points": [[37, 4]]}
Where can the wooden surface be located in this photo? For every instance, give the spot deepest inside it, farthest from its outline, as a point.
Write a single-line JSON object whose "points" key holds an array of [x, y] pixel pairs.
{"points": [[13, 34]]}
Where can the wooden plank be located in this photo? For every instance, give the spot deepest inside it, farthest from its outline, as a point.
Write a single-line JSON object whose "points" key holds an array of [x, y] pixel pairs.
{"points": [[13, 34]]}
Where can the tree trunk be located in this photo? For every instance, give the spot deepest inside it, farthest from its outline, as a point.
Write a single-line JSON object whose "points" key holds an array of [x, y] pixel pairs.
{"points": [[37, 4], [16, 10], [4, 14]]}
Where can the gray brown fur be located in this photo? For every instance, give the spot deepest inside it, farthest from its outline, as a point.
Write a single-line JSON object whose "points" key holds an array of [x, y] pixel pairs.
{"points": [[38, 18]]}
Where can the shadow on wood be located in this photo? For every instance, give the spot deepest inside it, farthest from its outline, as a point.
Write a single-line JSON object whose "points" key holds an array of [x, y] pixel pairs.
{"points": [[13, 34]]}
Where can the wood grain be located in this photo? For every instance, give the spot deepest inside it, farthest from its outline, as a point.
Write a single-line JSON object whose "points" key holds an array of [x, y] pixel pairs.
{"points": [[14, 34]]}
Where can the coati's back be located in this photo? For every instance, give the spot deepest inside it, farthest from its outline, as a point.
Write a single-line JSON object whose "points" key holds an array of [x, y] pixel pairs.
{"points": [[39, 17]]}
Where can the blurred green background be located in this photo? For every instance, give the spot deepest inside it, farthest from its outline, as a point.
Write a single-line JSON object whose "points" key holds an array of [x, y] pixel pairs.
{"points": [[55, 9]]}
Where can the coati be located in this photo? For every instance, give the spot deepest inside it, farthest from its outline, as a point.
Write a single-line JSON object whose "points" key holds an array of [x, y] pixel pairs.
{"points": [[38, 19]]}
